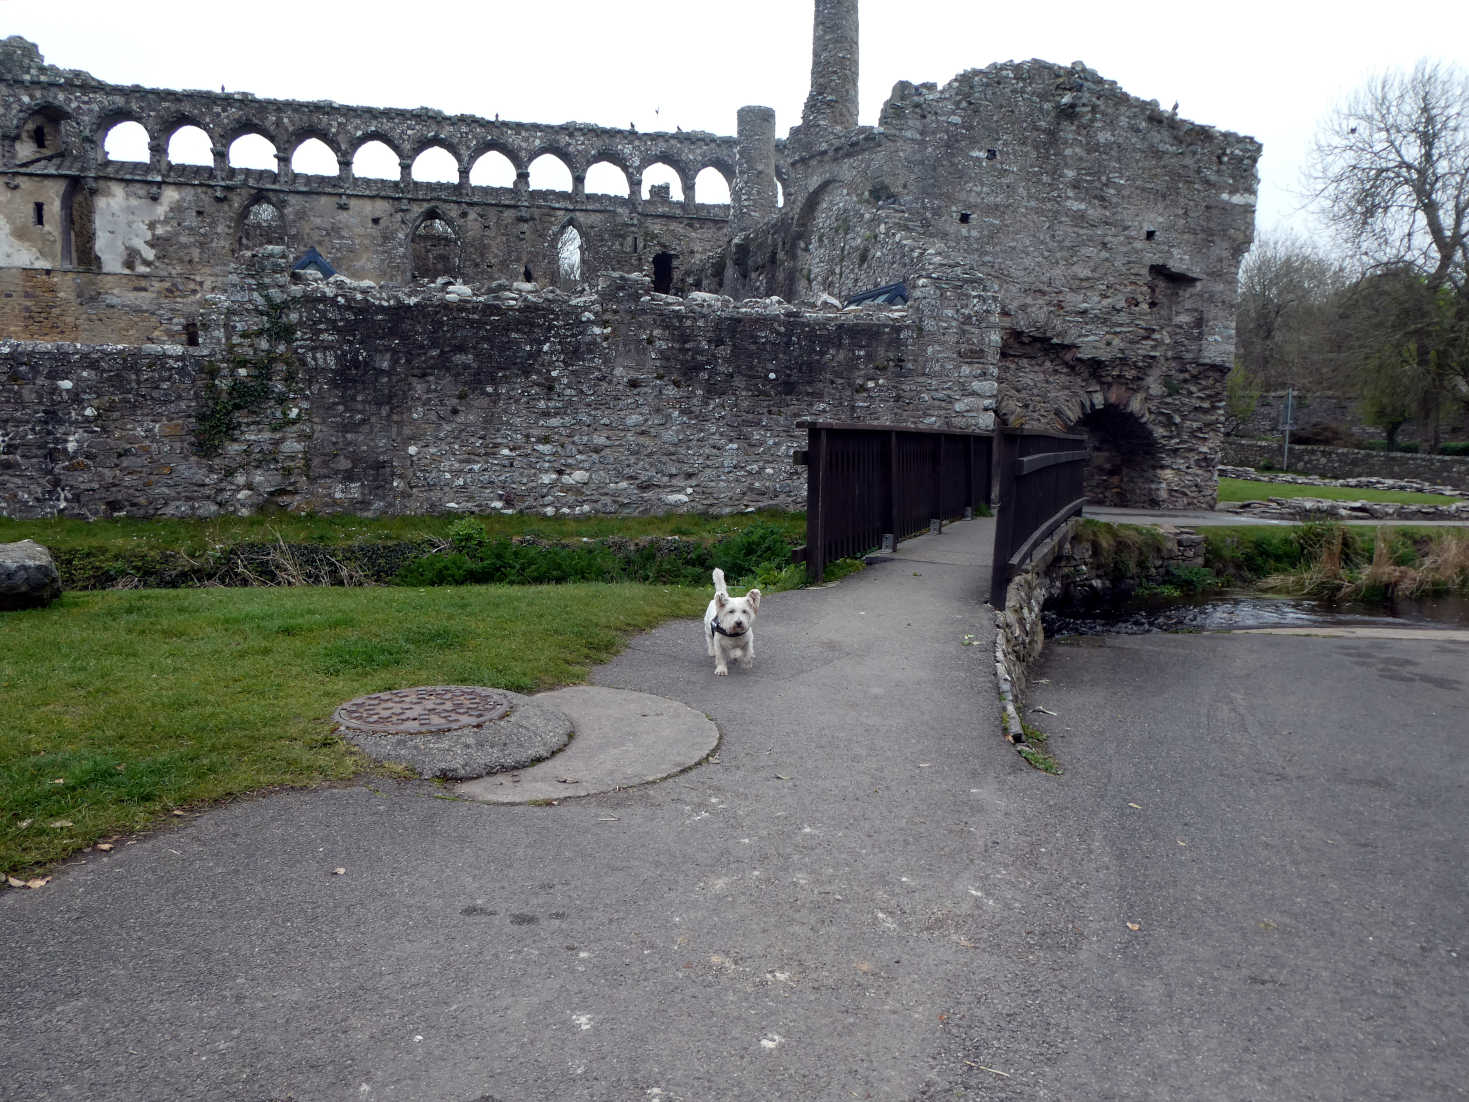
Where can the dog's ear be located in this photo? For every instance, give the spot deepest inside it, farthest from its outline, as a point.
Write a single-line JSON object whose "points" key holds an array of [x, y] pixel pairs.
{"points": [[721, 599], [754, 598]]}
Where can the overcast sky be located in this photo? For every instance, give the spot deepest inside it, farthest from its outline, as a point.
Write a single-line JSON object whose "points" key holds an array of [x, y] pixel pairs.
{"points": [[1272, 70]]}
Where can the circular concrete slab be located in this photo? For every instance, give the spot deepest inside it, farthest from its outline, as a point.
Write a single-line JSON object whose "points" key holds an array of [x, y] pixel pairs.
{"points": [[454, 731], [622, 739]]}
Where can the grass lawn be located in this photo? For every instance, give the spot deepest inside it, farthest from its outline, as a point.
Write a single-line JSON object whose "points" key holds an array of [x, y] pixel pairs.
{"points": [[117, 707], [1238, 489]]}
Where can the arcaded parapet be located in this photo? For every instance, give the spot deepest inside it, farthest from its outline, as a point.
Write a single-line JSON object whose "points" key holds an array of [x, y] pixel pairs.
{"points": [[120, 224], [452, 398]]}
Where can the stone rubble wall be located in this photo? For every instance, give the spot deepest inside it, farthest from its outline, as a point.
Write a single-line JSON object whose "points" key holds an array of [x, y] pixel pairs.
{"points": [[1334, 463], [1405, 485], [1331, 420], [451, 398]]}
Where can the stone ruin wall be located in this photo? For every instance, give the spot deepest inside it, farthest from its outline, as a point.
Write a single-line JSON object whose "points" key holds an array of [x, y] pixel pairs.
{"points": [[1110, 229], [127, 249], [442, 399], [1071, 250]]}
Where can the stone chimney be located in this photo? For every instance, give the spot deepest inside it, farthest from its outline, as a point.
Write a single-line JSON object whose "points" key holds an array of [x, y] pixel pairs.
{"points": [[752, 199], [832, 104]]}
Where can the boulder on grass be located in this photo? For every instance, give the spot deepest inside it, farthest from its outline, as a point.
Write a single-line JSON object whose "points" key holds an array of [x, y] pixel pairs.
{"points": [[28, 577]]}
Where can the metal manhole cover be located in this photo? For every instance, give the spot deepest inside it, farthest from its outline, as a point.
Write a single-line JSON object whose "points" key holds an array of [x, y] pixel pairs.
{"points": [[424, 711]]}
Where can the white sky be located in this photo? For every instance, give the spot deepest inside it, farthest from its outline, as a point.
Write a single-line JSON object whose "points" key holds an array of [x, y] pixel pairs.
{"points": [[1272, 70]]}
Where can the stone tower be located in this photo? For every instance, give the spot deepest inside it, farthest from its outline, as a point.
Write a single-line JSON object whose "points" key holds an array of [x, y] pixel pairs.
{"points": [[753, 197], [832, 105]]}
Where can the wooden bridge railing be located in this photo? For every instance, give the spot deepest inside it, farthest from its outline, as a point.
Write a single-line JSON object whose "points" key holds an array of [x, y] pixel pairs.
{"points": [[869, 486], [1039, 485]]}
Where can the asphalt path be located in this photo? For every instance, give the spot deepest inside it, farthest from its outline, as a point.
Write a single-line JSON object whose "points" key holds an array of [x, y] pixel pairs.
{"points": [[1259, 867], [864, 894]]}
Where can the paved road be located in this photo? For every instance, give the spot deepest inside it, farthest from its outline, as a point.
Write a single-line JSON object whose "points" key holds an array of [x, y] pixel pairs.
{"points": [[1284, 820], [866, 895]]}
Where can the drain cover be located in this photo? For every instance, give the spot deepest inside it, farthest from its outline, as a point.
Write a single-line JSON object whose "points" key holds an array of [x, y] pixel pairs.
{"points": [[424, 711]]}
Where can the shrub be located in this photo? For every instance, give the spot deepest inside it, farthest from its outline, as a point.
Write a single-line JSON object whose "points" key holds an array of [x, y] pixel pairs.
{"points": [[743, 554]]}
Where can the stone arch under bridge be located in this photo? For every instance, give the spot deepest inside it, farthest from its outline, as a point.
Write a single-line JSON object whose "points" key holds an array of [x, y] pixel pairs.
{"points": [[1126, 464], [1140, 419]]}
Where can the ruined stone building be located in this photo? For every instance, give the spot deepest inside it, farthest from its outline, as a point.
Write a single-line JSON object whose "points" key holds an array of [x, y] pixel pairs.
{"points": [[1067, 257]]}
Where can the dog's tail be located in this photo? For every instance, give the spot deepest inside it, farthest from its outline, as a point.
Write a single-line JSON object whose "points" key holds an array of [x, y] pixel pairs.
{"points": [[719, 586]]}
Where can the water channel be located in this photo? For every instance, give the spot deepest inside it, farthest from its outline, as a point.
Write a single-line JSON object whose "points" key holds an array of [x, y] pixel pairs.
{"points": [[1232, 612]]}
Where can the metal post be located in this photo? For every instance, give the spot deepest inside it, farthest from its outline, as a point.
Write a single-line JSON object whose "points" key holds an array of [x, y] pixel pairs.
{"points": [[1005, 448], [815, 505], [1290, 395]]}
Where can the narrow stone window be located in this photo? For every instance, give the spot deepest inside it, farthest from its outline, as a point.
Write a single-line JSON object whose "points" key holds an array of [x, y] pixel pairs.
{"points": [[435, 249], [40, 133], [191, 334], [991, 154], [568, 257], [262, 224], [40, 209], [663, 273], [964, 217], [1152, 235]]}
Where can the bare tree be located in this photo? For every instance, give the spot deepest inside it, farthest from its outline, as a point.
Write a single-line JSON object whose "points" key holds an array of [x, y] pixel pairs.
{"points": [[1284, 328], [1392, 166]]}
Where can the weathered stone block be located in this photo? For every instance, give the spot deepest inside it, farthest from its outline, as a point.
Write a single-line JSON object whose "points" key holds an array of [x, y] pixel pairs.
{"points": [[28, 576]]}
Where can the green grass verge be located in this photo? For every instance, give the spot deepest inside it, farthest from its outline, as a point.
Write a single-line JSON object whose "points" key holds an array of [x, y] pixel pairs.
{"points": [[200, 536], [117, 707], [1238, 489]]}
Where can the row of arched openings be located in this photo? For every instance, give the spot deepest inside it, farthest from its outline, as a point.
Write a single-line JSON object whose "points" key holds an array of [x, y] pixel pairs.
{"points": [[434, 245], [190, 145]]}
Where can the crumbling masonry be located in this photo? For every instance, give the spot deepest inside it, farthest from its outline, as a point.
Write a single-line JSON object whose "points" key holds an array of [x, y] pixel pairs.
{"points": [[1068, 253]]}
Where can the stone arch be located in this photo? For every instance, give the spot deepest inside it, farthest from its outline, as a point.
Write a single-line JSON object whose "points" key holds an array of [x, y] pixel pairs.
{"points": [[261, 222], [309, 144], [825, 265], [40, 130], [190, 151], [676, 168], [721, 188], [606, 159], [1126, 464], [434, 246], [244, 127], [303, 138], [126, 132], [369, 144], [494, 145], [252, 150], [555, 153], [78, 227], [569, 243], [423, 145], [445, 171]]}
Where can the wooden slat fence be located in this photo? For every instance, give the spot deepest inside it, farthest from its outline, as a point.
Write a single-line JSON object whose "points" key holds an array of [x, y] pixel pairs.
{"points": [[1039, 485], [868, 486]]}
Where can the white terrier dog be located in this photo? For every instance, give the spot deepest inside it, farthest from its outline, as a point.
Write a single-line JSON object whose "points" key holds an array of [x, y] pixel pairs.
{"points": [[729, 625]]}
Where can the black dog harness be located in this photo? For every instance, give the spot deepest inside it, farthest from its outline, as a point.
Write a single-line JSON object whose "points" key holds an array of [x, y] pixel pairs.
{"points": [[715, 629]]}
